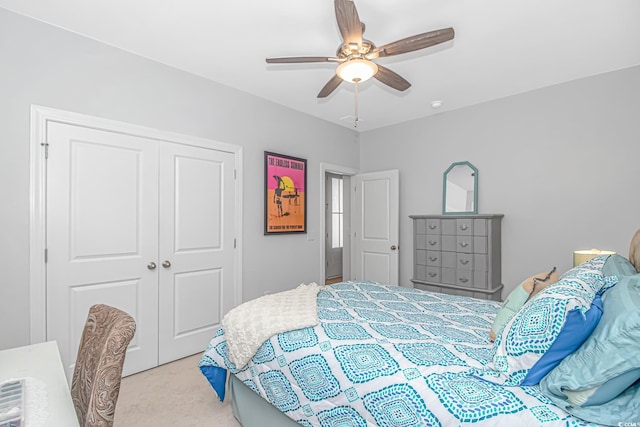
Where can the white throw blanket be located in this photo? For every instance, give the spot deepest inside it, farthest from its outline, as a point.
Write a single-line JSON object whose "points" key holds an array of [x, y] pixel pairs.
{"points": [[247, 326]]}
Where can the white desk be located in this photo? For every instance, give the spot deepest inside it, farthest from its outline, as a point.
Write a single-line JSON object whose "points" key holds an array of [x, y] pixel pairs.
{"points": [[42, 362]]}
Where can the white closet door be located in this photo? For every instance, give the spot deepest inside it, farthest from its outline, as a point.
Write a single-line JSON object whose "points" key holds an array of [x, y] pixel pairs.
{"points": [[102, 233], [197, 223]]}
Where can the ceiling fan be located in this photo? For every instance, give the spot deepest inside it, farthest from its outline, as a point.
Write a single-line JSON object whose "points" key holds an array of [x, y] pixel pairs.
{"points": [[356, 54]]}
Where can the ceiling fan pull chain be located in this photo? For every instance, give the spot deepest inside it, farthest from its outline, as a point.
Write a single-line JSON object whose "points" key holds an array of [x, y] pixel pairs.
{"points": [[355, 115]]}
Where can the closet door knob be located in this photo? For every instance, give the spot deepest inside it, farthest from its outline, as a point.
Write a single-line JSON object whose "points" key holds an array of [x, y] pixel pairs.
{"points": [[166, 264], [151, 266]]}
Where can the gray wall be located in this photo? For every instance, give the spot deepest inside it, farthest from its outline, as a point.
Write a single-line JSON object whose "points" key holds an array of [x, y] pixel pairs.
{"points": [[560, 163], [43, 65]]}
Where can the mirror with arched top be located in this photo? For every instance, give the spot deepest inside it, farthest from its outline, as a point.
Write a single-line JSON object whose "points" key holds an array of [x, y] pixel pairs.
{"points": [[460, 189]]}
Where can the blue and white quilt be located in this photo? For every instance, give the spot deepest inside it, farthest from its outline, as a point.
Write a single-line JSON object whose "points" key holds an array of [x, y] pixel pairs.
{"points": [[386, 356]]}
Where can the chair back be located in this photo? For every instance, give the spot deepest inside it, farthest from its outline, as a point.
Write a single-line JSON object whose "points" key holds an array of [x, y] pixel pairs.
{"points": [[98, 370]]}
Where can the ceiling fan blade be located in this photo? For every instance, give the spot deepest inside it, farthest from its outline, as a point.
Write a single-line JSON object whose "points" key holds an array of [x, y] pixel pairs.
{"points": [[348, 21], [392, 79], [330, 86], [409, 44], [300, 59]]}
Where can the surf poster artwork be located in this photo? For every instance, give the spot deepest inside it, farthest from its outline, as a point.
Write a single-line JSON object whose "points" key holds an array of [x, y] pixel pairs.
{"points": [[285, 194]]}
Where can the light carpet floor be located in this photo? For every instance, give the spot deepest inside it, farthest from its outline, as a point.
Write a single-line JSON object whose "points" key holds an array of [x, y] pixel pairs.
{"points": [[175, 394]]}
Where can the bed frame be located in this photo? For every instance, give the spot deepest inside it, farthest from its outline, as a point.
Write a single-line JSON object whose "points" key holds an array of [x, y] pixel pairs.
{"points": [[251, 410]]}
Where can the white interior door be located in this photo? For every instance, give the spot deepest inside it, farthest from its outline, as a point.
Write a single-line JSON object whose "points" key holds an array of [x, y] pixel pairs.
{"points": [[102, 233], [375, 226], [197, 226]]}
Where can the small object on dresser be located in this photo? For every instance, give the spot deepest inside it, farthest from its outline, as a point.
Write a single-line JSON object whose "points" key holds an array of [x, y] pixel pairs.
{"points": [[12, 403]]}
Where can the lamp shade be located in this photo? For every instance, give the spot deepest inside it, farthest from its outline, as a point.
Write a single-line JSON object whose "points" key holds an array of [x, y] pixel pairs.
{"points": [[356, 70], [584, 255]]}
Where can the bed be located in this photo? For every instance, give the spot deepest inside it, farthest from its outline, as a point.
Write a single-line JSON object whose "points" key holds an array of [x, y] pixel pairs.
{"points": [[380, 355]]}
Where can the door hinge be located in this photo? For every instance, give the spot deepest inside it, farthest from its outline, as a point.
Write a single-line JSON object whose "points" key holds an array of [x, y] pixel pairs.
{"points": [[46, 255], [235, 174], [46, 149], [234, 243]]}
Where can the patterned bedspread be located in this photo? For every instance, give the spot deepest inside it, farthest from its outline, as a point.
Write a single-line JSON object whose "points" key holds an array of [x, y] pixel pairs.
{"points": [[387, 356]]}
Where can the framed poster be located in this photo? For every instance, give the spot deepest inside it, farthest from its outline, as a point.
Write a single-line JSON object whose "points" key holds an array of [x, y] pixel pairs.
{"points": [[285, 194]]}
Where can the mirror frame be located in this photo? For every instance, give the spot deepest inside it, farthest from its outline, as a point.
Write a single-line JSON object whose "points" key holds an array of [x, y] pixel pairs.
{"points": [[475, 189]]}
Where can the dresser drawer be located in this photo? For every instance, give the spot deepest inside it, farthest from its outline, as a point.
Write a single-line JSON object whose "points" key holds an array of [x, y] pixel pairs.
{"points": [[448, 243], [480, 279], [448, 226], [464, 278], [421, 257], [448, 276], [480, 245], [433, 226], [434, 258], [433, 242], [449, 259], [464, 227], [421, 241], [433, 274], [464, 244], [480, 262], [480, 227], [464, 261]]}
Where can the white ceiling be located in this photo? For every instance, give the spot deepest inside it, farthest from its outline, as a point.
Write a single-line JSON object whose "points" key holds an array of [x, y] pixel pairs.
{"points": [[501, 47]]}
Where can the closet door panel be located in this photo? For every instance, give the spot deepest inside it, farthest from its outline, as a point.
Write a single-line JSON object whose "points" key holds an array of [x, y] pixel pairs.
{"points": [[102, 232], [196, 247]]}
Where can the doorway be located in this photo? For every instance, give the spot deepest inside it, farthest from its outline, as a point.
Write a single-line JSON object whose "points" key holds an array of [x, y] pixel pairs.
{"points": [[334, 227], [332, 274], [370, 225]]}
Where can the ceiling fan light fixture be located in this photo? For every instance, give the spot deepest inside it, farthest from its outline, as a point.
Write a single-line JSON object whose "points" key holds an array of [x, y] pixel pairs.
{"points": [[356, 70]]}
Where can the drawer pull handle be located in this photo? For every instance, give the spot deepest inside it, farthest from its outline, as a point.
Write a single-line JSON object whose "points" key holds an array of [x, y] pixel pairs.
{"points": [[464, 261], [433, 242], [464, 227], [464, 280], [432, 227], [464, 244], [433, 258], [433, 274]]}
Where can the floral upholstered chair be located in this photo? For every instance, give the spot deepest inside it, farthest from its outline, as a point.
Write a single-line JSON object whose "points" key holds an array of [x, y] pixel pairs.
{"points": [[98, 371]]}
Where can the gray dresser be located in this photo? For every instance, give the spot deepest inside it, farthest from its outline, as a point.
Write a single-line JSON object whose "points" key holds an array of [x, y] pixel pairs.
{"points": [[458, 254]]}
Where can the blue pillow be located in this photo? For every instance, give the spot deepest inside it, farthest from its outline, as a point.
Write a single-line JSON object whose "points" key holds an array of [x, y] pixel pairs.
{"points": [[612, 388], [617, 265], [577, 328], [593, 382]]}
